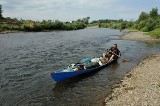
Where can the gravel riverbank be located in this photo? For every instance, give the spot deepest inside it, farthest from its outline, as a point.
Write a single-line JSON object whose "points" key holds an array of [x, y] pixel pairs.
{"points": [[138, 36], [141, 86]]}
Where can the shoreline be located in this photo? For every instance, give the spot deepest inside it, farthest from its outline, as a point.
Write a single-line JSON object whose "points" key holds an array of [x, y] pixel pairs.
{"points": [[8, 31], [90, 27], [16, 31], [138, 36], [141, 85]]}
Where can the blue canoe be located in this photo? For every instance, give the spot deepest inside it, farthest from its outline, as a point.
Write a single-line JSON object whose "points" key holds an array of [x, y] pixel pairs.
{"points": [[60, 75]]}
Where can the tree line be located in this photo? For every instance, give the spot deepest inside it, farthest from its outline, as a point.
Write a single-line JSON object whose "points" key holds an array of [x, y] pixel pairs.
{"points": [[147, 22], [45, 25], [1, 11]]}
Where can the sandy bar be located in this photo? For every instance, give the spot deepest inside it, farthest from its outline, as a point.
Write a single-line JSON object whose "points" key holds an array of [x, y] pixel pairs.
{"points": [[138, 36], [141, 86]]}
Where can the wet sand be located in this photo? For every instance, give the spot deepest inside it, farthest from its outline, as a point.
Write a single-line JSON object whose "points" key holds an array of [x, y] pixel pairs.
{"points": [[141, 86]]}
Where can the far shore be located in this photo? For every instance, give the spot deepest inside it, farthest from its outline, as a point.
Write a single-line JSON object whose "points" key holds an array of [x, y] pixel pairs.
{"points": [[93, 26], [14, 31], [8, 31]]}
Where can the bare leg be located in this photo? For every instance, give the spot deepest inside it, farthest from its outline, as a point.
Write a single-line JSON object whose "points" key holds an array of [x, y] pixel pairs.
{"points": [[111, 58]]}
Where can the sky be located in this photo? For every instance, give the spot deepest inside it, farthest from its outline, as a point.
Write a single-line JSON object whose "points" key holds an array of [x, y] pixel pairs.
{"points": [[69, 10]]}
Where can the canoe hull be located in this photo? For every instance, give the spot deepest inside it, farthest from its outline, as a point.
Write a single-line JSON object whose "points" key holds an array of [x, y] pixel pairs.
{"points": [[59, 76]]}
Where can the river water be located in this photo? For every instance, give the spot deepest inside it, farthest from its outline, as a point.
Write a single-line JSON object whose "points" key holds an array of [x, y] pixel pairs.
{"points": [[27, 59]]}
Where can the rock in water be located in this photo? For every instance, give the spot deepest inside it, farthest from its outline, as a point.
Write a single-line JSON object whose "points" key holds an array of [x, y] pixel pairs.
{"points": [[125, 60]]}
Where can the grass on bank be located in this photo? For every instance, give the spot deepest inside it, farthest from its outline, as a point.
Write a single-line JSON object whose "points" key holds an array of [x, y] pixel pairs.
{"points": [[155, 33]]}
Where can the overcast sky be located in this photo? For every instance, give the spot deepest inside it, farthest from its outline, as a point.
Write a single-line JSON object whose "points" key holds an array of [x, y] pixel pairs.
{"points": [[68, 10]]}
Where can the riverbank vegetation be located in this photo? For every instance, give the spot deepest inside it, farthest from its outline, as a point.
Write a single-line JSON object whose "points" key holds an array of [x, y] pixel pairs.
{"points": [[45, 25], [147, 22], [155, 33]]}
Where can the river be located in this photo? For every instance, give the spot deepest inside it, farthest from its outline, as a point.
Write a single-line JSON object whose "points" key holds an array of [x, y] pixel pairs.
{"points": [[28, 58]]}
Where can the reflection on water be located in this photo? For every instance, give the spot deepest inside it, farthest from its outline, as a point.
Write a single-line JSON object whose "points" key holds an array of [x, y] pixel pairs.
{"points": [[26, 59]]}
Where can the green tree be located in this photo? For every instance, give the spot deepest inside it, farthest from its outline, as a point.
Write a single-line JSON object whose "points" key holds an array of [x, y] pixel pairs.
{"points": [[122, 26], [1, 11], [151, 24], [154, 13], [143, 16], [99, 24], [86, 20], [141, 24], [120, 20], [79, 20]]}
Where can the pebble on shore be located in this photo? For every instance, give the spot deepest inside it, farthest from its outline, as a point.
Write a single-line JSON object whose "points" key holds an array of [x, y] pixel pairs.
{"points": [[141, 86]]}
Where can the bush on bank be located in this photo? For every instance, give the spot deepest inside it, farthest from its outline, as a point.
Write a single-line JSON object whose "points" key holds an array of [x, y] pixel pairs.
{"points": [[147, 22], [42, 26], [155, 33]]}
